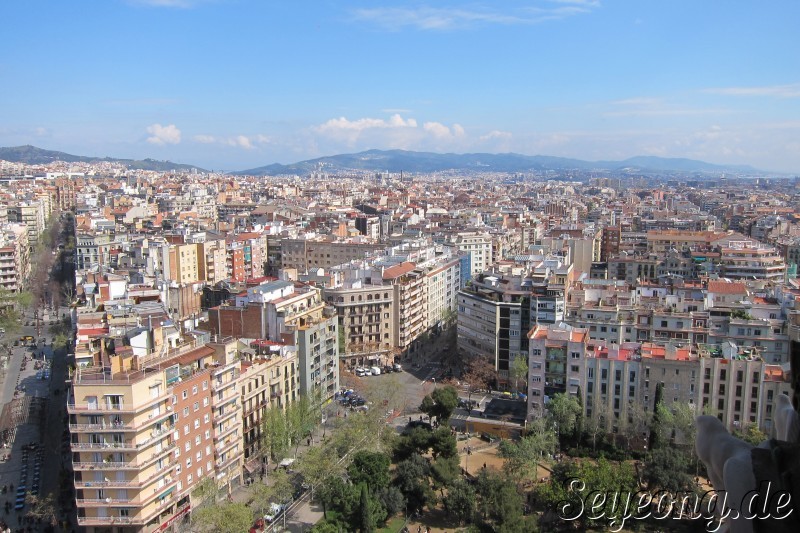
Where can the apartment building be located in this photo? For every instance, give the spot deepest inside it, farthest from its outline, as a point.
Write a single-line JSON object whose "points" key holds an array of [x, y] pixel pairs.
{"points": [[304, 254], [33, 215], [743, 260], [15, 266], [478, 244], [145, 430], [611, 383], [555, 363], [269, 380], [498, 307]]}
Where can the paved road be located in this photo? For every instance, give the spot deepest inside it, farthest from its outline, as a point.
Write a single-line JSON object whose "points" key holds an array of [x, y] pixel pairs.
{"points": [[39, 421]]}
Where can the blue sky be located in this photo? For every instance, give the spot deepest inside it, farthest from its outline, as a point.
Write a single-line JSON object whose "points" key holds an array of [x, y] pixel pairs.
{"points": [[234, 84]]}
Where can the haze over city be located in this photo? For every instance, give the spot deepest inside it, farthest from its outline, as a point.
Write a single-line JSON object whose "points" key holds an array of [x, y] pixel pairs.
{"points": [[237, 84]]}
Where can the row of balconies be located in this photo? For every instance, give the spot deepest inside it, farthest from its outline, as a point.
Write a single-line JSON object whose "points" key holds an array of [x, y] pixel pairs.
{"points": [[123, 465]]}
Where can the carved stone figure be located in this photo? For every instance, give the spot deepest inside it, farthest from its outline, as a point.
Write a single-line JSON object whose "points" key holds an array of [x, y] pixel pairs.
{"points": [[739, 469]]}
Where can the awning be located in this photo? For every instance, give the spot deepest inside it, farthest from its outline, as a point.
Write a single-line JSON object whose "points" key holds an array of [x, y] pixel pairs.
{"points": [[167, 492], [253, 466]]}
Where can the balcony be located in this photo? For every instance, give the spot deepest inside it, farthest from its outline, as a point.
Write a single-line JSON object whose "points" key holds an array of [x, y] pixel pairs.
{"points": [[107, 521], [93, 428], [224, 433], [122, 446], [156, 455], [105, 502], [105, 465], [78, 408]]}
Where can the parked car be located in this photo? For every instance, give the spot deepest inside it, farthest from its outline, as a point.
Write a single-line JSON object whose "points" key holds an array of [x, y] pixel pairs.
{"points": [[275, 510], [397, 367]]}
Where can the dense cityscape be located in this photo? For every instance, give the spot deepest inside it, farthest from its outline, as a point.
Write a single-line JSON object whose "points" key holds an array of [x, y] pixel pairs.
{"points": [[189, 332]]}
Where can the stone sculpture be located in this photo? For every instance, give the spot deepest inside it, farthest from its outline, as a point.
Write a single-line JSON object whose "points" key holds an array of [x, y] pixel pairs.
{"points": [[734, 473]]}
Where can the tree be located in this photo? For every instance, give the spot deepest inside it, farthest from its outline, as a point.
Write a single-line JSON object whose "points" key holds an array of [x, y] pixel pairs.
{"points": [[443, 443], [597, 424], [371, 512], [335, 493], [752, 434], [445, 470], [522, 457], [565, 410], [638, 422], [668, 469], [460, 501], [391, 499], [274, 434], [518, 370], [480, 374], [42, 508], [487, 487], [318, 463], [658, 421], [223, 518], [440, 403], [370, 468], [301, 417], [279, 490], [411, 477]]}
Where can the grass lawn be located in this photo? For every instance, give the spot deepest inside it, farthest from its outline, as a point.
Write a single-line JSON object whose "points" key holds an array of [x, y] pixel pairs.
{"points": [[393, 525]]}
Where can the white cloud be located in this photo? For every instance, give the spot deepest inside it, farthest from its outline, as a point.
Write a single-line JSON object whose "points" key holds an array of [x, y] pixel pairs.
{"points": [[781, 91], [451, 18], [436, 129], [496, 134], [163, 134], [239, 141]]}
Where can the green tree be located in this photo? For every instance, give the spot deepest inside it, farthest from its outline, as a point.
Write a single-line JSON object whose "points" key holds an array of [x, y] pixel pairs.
{"points": [[517, 370], [223, 518], [522, 457], [460, 501], [411, 477], [668, 469], [336, 494], [440, 403], [656, 428], [752, 434], [317, 464], [565, 410], [443, 443], [370, 468], [444, 471], [279, 490], [391, 499], [371, 512], [275, 434]]}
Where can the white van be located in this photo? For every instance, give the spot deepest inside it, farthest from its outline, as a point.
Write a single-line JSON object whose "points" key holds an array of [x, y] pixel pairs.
{"points": [[376, 370]]}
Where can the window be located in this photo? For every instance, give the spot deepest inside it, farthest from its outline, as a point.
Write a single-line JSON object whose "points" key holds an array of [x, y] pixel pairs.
{"points": [[186, 429], [205, 385], [677, 372], [722, 375], [189, 464], [185, 411], [196, 424], [590, 373], [676, 386], [205, 418], [208, 434], [174, 399], [590, 387], [604, 373], [537, 351], [617, 375], [194, 390], [574, 368], [196, 406], [721, 404], [602, 388], [756, 377], [632, 375], [185, 394], [205, 401]]}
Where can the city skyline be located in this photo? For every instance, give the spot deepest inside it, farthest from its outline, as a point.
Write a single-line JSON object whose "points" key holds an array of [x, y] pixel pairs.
{"points": [[237, 84]]}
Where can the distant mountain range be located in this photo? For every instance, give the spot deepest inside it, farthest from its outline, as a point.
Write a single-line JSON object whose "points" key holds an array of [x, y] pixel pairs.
{"points": [[32, 155], [424, 162], [403, 160]]}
